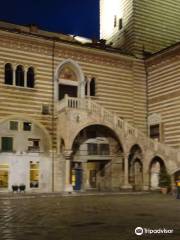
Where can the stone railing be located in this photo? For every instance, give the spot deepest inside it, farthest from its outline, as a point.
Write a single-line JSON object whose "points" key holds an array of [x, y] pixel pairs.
{"points": [[92, 106]]}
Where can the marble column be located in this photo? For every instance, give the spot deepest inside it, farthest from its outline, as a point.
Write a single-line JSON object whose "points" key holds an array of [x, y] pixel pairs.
{"points": [[126, 174], [67, 157]]}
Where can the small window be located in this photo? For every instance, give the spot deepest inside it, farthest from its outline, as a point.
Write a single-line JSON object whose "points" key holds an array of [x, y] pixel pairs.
{"points": [[34, 145], [8, 74], [34, 175], [115, 21], [27, 126], [20, 76], [6, 144], [92, 149], [155, 131], [92, 87], [120, 23], [45, 109], [13, 125], [30, 78], [104, 149]]}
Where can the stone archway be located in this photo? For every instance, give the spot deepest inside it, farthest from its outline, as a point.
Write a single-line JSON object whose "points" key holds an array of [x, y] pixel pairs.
{"points": [[25, 146], [97, 159], [24, 117], [155, 167], [135, 166]]}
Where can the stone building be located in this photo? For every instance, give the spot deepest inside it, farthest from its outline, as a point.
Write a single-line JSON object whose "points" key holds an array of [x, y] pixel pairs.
{"points": [[79, 115]]}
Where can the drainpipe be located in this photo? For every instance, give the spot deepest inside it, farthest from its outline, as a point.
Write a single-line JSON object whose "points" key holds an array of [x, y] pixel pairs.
{"points": [[53, 114]]}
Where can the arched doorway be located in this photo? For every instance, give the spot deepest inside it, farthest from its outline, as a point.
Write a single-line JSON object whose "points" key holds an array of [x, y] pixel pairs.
{"points": [[157, 165], [97, 160], [135, 167], [69, 80]]}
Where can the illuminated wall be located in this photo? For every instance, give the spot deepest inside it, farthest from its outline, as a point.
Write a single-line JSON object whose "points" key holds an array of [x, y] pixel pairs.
{"points": [[109, 11]]}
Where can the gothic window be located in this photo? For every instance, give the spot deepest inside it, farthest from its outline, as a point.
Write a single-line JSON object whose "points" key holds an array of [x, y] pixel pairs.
{"points": [[30, 78], [93, 87], [8, 74], [20, 76]]}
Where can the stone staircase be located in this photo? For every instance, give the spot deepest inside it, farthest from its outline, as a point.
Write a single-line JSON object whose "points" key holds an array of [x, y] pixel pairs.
{"points": [[128, 135]]}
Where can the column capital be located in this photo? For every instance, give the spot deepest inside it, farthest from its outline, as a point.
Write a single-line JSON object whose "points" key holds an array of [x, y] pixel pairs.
{"points": [[67, 154]]}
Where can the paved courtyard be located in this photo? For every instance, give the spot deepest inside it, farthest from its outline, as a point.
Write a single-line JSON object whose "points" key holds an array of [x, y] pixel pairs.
{"points": [[108, 217]]}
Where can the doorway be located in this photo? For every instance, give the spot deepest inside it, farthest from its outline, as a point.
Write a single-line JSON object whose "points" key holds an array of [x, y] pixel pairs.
{"points": [[70, 90]]}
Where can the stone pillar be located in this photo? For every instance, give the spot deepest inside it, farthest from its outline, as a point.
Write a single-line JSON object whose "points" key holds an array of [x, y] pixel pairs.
{"points": [[68, 185], [14, 75], [126, 174], [146, 180], [146, 174], [25, 76], [84, 177]]}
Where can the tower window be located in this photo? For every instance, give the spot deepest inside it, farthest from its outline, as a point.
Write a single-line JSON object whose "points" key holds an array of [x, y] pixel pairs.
{"points": [[20, 76], [30, 78], [115, 21], [8, 74], [120, 23]]}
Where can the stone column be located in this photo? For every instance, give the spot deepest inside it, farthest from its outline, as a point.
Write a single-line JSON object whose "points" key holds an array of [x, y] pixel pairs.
{"points": [[68, 185], [14, 75], [84, 177], [146, 179], [126, 173], [25, 76]]}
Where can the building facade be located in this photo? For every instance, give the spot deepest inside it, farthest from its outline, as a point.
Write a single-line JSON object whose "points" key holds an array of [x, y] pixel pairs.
{"points": [[79, 115]]}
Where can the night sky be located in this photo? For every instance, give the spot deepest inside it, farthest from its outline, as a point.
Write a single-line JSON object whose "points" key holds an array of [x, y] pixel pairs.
{"points": [[77, 17]]}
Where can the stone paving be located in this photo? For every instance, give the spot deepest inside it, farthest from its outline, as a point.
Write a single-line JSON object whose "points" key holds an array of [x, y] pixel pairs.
{"points": [[101, 217]]}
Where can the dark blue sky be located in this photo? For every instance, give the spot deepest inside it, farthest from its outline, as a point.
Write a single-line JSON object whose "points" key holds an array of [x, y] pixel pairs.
{"points": [[78, 17]]}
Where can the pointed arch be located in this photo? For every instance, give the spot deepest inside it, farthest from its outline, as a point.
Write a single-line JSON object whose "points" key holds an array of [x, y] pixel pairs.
{"points": [[79, 74], [20, 76], [8, 72], [30, 77]]}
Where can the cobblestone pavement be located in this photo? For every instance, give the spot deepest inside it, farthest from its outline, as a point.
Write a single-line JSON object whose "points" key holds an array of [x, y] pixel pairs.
{"points": [[88, 217]]}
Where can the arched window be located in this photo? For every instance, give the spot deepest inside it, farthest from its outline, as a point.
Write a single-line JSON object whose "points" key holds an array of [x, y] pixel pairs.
{"points": [[8, 74], [30, 78], [20, 76], [92, 87]]}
